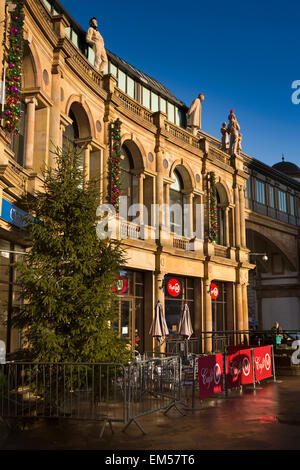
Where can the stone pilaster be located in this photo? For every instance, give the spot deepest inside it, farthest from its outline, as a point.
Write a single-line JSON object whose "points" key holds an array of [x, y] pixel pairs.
{"points": [[31, 103]]}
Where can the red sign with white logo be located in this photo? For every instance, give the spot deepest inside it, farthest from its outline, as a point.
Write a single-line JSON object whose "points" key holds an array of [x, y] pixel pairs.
{"points": [[239, 368], [121, 285], [263, 362], [210, 375], [174, 287], [214, 291]]}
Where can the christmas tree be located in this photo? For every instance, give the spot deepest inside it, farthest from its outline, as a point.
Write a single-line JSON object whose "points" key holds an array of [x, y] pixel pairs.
{"points": [[68, 276]]}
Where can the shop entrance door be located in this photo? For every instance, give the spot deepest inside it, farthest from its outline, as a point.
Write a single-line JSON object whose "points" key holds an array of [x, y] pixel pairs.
{"points": [[125, 318]]}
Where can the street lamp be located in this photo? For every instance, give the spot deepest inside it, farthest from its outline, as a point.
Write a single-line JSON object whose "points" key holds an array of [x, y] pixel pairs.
{"points": [[264, 255]]}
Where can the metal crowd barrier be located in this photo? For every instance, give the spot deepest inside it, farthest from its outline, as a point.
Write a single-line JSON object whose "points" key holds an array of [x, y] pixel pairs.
{"points": [[153, 385], [66, 391], [103, 392]]}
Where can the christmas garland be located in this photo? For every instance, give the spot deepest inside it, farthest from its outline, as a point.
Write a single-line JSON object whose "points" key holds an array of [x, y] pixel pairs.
{"points": [[213, 211], [13, 111], [115, 164]]}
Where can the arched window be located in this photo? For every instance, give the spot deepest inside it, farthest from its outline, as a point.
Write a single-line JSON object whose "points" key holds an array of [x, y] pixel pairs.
{"points": [[18, 140], [221, 221], [71, 133], [129, 182], [177, 204]]}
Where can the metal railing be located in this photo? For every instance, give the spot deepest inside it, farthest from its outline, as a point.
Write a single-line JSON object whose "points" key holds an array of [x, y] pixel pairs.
{"points": [[217, 341], [103, 392], [153, 385], [60, 390]]}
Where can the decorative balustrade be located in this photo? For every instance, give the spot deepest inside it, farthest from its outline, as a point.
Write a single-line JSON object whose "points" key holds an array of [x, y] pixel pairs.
{"points": [[180, 242], [221, 251], [182, 134], [134, 107]]}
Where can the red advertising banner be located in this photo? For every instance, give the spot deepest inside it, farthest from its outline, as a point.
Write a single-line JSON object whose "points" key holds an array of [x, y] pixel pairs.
{"points": [[210, 373], [263, 362], [239, 368]]}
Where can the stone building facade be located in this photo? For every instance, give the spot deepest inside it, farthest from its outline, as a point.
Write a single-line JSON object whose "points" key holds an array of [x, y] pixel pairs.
{"points": [[66, 99]]}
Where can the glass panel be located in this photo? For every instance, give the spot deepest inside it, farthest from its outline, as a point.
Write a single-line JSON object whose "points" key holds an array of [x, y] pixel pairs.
{"points": [[75, 38], [125, 318], [130, 87], [47, 4], [282, 201], [177, 117], [146, 97], [91, 55], [139, 290], [122, 81], [154, 102], [139, 324], [139, 277], [68, 32], [249, 188], [163, 105], [113, 69], [292, 205], [177, 186], [260, 192], [271, 197], [171, 112]]}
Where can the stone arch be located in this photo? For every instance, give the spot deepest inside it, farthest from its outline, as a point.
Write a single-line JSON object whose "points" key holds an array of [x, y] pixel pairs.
{"points": [[273, 243], [185, 173], [84, 118], [31, 75], [223, 194], [136, 150]]}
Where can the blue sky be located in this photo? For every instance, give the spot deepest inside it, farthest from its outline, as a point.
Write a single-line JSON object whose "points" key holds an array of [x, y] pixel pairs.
{"points": [[240, 54]]}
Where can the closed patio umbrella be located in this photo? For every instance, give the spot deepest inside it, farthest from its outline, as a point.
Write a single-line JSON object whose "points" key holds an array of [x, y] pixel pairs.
{"points": [[159, 327], [185, 323]]}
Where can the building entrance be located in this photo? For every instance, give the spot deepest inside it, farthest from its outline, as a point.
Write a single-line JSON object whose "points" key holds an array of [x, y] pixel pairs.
{"points": [[130, 308]]}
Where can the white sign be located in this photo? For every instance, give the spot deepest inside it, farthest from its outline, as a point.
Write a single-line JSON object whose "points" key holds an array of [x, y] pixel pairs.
{"points": [[2, 353], [295, 359]]}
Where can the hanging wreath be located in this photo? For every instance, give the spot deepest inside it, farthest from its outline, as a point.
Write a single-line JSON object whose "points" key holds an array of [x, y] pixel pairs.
{"points": [[115, 164], [213, 211], [12, 110]]}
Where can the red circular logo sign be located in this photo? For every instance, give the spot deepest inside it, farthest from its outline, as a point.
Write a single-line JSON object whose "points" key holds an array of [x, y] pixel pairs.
{"points": [[174, 287], [121, 285], [214, 290]]}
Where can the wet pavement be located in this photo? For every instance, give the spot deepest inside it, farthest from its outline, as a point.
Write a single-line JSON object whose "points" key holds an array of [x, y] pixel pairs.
{"points": [[265, 420]]}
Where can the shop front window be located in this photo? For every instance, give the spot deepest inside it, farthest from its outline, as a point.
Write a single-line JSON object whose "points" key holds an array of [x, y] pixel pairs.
{"points": [[219, 304], [10, 293], [178, 291]]}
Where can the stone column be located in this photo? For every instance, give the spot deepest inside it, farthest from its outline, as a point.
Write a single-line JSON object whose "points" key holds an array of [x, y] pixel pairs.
{"points": [[167, 202], [207, 315], [237, 217], [141, 197], [191, 215], [242, 216], [55, 131], [30, 126], [86, 163], [239, 309], [226, 220], [245, 309]]}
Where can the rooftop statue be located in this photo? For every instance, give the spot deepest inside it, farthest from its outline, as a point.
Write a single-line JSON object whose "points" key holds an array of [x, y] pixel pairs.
{"points": [[95, 39], [233, 130], [239, 146], [225, 138], [194, 115]]}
